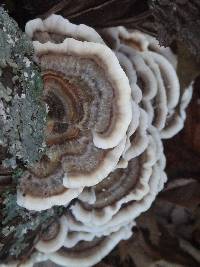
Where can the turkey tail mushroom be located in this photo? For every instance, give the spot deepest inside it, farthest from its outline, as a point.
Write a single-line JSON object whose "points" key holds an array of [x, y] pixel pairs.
{"points": [[164, 106], [89, 103], [108, 109], [119, 188], [80, 62], [88, 253], [56, 29], [53, 237], [89, 78], [41, 187], [113, 206]]}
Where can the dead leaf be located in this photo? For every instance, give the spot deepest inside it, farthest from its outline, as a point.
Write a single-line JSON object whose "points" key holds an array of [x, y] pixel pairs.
{"points": [[140, 252], [188, 68], [148, 221], [191, 131], [187, 196]]}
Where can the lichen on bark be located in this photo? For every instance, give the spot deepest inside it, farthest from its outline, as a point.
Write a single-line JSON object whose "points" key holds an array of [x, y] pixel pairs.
{"points": [[20, 229], [22, 123], [22, 111]]}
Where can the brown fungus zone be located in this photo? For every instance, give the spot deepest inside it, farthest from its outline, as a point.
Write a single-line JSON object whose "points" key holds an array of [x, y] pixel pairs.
{"points": [[130, 184], [54, 236], [82, 101], [51, 232], [119, 184], [83, 247], [79, 104], [86, 253], [44, 37], [55, 29], [44, 179], [162, 62], [69, 129]]}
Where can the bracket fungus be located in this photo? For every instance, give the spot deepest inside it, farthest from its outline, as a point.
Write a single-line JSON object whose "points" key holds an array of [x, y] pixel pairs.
{"points": [[89, 253], [162, 104], [111, 97], [175, 120], [54, 236], [130, 210], [93, 131], [89, 111], [120, 187], [56, 29], [123, 187], [41, 187]]}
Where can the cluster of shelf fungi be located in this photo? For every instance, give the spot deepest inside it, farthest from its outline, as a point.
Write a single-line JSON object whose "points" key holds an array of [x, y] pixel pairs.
{"points": [[112, 96]]}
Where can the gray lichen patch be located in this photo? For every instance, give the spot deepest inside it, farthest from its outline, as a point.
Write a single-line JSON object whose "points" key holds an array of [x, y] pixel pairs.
{"points": [[21, 228], [22, 111]]}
